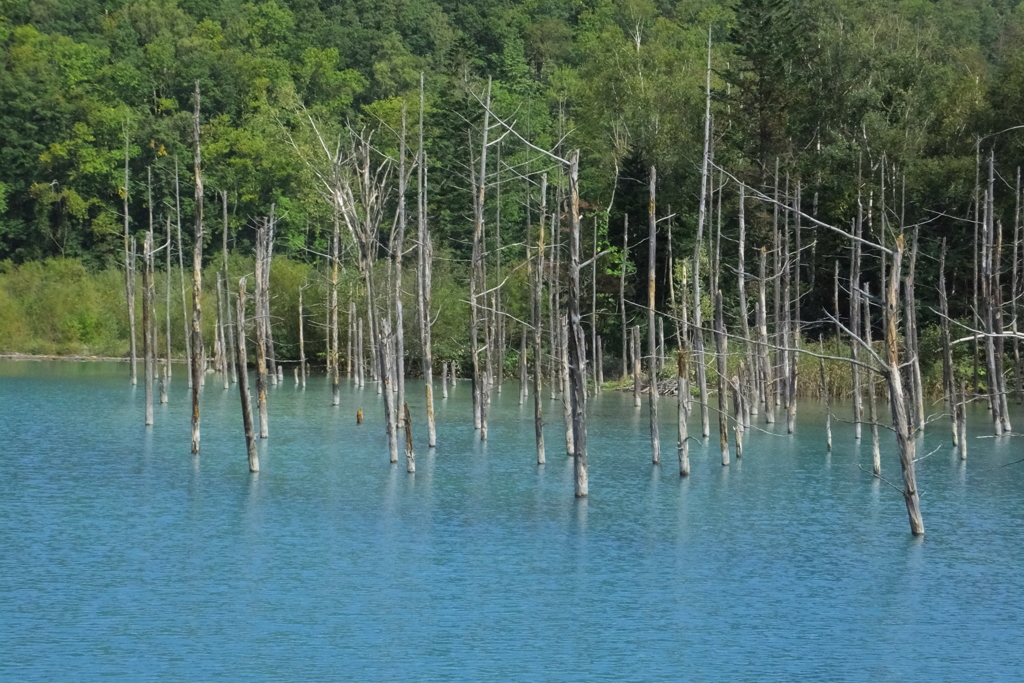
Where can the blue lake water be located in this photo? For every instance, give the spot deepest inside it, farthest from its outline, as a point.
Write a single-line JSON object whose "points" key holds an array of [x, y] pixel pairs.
{"points": [[125, 558]]}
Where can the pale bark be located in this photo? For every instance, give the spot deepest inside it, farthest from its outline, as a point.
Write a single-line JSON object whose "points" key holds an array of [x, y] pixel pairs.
{"points": [[577, 344], [148, 338], [129, 271], [723, 406], [948, 386], [636, 365], [622, 295], [197, 279], [897, 399], [262, 235], [302, 344], [876, 455], [652, 358], [243, 373], [682, 413], [425, 253], [410, 456], [537, 313], [181, 272], [698, 334]]}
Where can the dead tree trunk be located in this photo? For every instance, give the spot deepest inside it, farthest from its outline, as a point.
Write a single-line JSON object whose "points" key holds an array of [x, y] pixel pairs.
{"points": [[397, 248], [264, 303], [682, 413], [768, 392], [243, 381], [262, 236], [741, 286], [577, 345], [167, 314], [1015, 291], [962, 420], [129, 271], [858, 409], [876, 455], [622, 295], [148, 337], [593, 312], [197, 279], [652, 358], [181, 272], [698, 334], [828, 405], [911, 337], [332, 357], [476, 282], [723, 400], [302, 344], [229, 329], [424, 280], [538, 321], [948, 386], [636, 365], [410, 456], [897, 397], [567, 414]]}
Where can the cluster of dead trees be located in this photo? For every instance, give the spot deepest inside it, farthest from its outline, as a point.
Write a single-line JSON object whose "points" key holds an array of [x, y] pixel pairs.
{"points": [[754, 361]]}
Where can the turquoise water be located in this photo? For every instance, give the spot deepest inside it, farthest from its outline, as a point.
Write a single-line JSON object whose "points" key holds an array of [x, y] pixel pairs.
{"points": [[124, 558]]}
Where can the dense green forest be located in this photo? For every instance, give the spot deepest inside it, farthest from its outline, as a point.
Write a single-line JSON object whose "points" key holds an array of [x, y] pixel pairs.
{"points": [[892, 100]]}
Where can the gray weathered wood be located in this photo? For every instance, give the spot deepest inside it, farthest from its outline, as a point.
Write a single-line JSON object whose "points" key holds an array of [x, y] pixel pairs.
{"points": [[242, 371]]}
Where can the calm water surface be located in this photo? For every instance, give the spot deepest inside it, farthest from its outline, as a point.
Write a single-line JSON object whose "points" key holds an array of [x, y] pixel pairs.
{"points": [[124, 558]]}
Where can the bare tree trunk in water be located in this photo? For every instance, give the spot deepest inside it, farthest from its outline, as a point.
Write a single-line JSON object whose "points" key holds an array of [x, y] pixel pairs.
{"points": [[948, 387], [577, 345], [636, 365], [1015, 292], [477, 284], [129, 271], [243, 381], [181, 272], [399, 247], [567, 414], [962, 415], [360, 353], [351, 341], [683, 440], [767, 381], [332, 357], [302, 343], [698, 333], [148, 338], [262, 237], [723, 400], [197, 280], [652, 359], [425, 253], [410, 456], [522, 364], [264, 303], [222, 334], [828, 403], [897, 398], [167, 314], [876, 456], [229, 328], [538, 300], [622, 295]]}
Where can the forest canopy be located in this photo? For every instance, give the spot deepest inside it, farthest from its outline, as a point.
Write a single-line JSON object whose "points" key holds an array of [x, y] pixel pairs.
{"points": [[827, 92]]}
